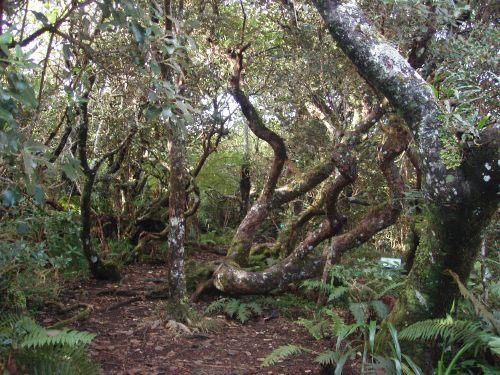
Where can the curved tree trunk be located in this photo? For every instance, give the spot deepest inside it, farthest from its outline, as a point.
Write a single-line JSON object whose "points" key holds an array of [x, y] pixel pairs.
{"points": [[239, 250], [457, 203], [301, 263]]}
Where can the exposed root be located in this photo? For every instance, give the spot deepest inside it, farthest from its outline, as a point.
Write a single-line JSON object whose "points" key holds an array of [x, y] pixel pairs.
{"points": [[117, 292], [202, 288], [82, 315], [125, 303]]}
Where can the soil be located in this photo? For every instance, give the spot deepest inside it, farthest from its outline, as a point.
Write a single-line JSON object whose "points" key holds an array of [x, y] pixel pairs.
{"points": [[132, 339]]}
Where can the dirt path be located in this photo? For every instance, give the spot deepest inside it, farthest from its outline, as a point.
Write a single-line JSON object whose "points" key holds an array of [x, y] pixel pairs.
{"points": [[132, 340]]}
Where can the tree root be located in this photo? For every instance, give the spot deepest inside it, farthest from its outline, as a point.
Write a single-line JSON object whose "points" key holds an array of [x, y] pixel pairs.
{"points": [[82, 315], [202, 288], [125, 303], [117, 292]]}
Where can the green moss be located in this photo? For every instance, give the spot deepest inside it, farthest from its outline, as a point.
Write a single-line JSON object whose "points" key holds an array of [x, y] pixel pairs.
{"points": [[15, 299], [239, 252]]}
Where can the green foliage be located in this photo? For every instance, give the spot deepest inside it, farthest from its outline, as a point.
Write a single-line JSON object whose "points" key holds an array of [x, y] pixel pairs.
{"points": [[37, 350], [120, 251], [235, 308], [359, 288], [39, 246], [352, 338], [447, 329], [469, 338], [281, 353]]}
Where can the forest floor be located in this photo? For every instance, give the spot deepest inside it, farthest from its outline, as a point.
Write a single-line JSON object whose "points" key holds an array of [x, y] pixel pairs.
{"points": [[132, 338]]}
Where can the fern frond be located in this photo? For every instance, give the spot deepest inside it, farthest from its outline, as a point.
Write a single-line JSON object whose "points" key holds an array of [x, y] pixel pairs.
{"points": [[359, 311], [282, 352], [494, 344], [380, 309], [319, 286], [243, 313], [327, 358], [337, 358], [8, 319], [232, 307], [41, 337], [480, 308], [255, 308], [57, 360], [216, 306], [447, 329], [316, 328], [337, 293]]}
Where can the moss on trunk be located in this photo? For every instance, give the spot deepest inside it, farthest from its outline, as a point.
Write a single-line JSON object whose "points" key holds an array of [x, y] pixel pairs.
{"points": [[450, 239]]}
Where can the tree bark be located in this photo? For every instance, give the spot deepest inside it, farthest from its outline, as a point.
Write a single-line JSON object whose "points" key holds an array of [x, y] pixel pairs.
{"points": [[457, 203], [176, 208], [301, 263], [242, 242]]}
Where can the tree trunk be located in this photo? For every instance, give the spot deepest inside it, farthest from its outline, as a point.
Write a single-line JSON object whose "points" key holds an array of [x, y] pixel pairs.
{"points": [[457, 203], [98, 269], [176, 208]]}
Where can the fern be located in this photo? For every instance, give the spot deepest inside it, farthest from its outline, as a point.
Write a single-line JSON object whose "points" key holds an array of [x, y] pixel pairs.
{"points": [[337, 293], [283, 352], [380, 309], [232, 307], [327, 358], [57, 360], [334, 358], [317, 328], [494, 344], [243, 313], [41, 337], [235, 309], [359, 311], [481, 310], [41, 351], [255, 307], [319, 286], [447, 329], [216, 306], [450, 331]]}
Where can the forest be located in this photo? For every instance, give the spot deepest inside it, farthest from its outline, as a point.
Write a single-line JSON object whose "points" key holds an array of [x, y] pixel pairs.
{"points": [[249, 187]]}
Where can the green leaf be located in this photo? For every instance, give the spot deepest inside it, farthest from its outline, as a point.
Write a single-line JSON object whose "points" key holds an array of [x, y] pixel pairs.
{"points": [[416, 370], [9, 198], [71, 168], [138, 31], [341, 362], [372, 329], [494, 345], [38, 195], [6, 38], [395, 341], [483, 122], [282, 352], [6, 115], [22, 228], [327, 358], [152, 113]]}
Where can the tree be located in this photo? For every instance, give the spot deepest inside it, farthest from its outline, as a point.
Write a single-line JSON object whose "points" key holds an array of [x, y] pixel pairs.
{"points": [[458, 202]]}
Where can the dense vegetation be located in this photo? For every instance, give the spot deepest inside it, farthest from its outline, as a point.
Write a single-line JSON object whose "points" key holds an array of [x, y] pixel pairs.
{"points": [[298, 143]]}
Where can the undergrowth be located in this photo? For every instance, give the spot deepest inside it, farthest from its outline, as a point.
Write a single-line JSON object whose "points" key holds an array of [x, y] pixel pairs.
{"points": [[26, 347]]}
